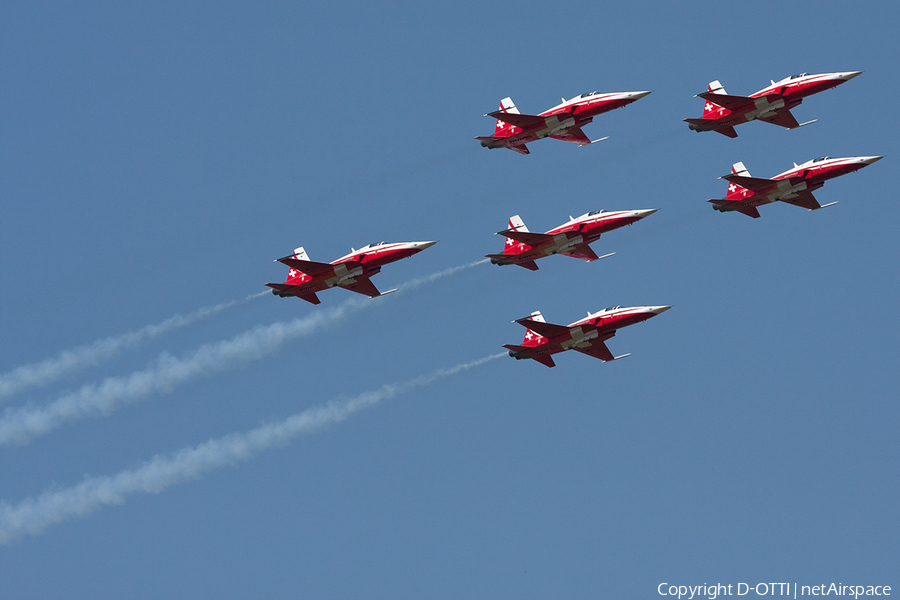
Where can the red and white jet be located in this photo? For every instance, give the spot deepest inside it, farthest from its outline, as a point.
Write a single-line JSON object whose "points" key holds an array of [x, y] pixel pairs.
{"points": [[794, 186], [569, 239], [562, 122], [771, 104], [587, 336], [351, 272]]}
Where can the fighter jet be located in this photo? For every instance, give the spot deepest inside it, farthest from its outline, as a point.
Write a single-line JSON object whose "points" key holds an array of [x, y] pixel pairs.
{"points": [[562, 122], [569, 239], [351, 272], [771, 104], [794, 186], [587, 336]]}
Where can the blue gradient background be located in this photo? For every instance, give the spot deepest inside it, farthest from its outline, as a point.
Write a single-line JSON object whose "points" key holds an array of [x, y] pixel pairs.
{"points": [[157, 157]]}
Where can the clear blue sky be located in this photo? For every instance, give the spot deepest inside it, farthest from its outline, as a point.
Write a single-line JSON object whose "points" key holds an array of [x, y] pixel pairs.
{"points": [[155, 159]]}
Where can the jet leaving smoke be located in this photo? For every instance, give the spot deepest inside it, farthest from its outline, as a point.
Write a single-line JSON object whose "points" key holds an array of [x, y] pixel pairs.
{"points": [[47, 371], [21, 425], [416, 283], [34, 515]]}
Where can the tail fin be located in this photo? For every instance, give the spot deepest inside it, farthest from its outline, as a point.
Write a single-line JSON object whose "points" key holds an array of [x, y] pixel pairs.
{"points": [[512, 246], [711, 110], [295, 276], [735, 191], [532, 338], [502, 128]]}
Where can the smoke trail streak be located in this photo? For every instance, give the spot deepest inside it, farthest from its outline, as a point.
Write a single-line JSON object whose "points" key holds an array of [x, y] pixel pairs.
{"points": [[33, 515], [51, 369], [416, 283], [22, 424]]}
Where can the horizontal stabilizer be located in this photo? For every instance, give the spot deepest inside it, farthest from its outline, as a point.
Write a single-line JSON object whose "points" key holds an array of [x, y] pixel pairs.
{"points": [[310, 297], [526, 352], [510, 259], [726, 131], [281, 287], [727, 206]]}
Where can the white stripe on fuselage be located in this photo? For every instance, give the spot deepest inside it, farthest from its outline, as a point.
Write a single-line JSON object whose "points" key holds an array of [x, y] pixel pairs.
{"points": [[812, 164], [794, 82]]}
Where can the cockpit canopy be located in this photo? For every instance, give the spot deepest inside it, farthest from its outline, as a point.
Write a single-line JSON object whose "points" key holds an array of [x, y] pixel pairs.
{"points": [[372, 245], [799, 75], [588, 94], [609, 308], [820, 159]]}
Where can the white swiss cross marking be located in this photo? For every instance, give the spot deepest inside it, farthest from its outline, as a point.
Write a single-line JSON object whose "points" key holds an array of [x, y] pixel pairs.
{"points": [[509, 241], [529, 335], [732, 187], [708, 107], [292, 273]]}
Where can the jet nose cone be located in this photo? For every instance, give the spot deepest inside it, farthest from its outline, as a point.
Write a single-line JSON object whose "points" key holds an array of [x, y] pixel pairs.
{"points": [[656, 310], [423, 245], [870, 159], [645, 212], [848, 75], [638, 95]]}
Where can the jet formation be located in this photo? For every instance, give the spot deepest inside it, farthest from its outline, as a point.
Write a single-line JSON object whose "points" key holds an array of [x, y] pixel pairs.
{"points": [[562, 122], [794, 186], [351, 272], [513, 130], [771, 104], [572, 238], [588, 336]]}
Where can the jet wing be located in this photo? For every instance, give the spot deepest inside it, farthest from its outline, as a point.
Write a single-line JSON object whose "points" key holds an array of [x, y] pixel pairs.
{"points": [[519, 120], [782, 118], [750, 212], [526, 237], [574, 135], [582, 251], [520, 148], [547, 330], [597, 348], [804, 200], [733, 102], [363, 285], [754, 184], [309, 267]]}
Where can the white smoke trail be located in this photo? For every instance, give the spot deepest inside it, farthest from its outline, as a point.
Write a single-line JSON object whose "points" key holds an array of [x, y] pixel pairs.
{"points": [[22, 424], [416, 283], [51, 369], [33, 515]]}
